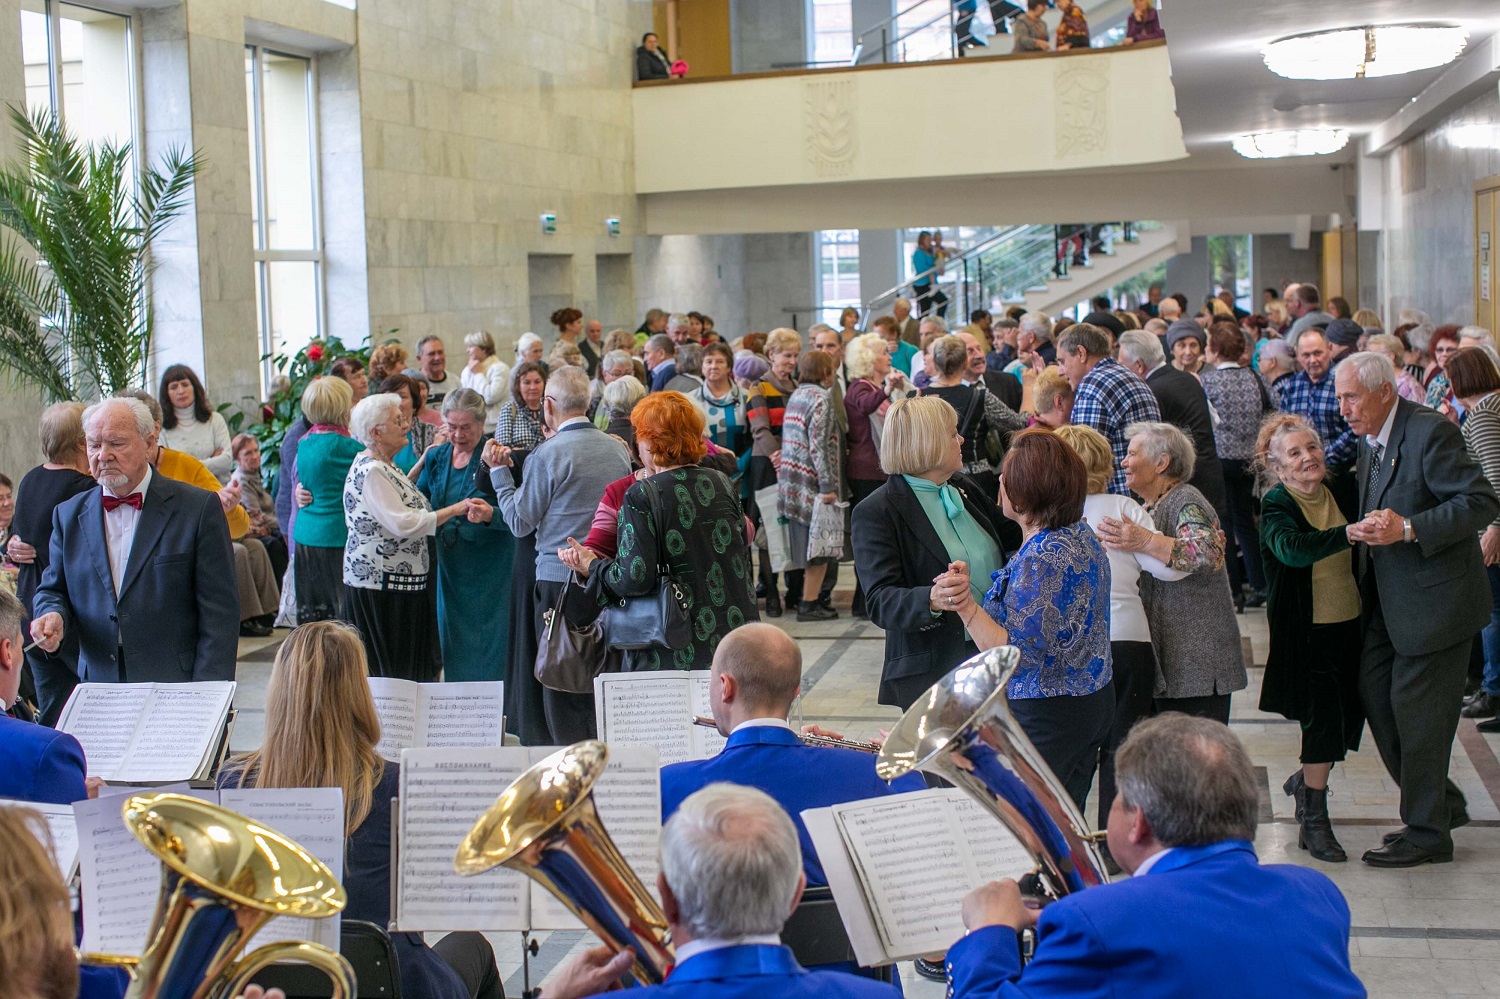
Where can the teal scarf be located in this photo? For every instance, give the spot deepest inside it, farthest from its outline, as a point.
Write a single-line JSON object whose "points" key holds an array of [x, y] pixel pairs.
{"points": [[962, 537]]}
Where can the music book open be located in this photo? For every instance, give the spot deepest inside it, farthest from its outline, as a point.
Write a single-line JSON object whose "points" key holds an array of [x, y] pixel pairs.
{"points": [[657, 709], [149, 733], [447, 715], [64, 830], [445, 791], [120, 878], [900, 866]]}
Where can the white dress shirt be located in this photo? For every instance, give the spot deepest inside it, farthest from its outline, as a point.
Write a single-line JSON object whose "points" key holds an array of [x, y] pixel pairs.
{"points": [[762, 723], [119, 530], [695, 947], [1384, 437], [1150, 862]]}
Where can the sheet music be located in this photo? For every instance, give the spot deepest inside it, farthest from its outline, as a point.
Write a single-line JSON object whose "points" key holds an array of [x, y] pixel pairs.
{"points": [[180, 729], [396, 704], [996, 851], [443, 793], [652, 709], [313, 818], [470, 713], [707, 742], [120, 878], [60, 826], [103, 718], [628, 797]]}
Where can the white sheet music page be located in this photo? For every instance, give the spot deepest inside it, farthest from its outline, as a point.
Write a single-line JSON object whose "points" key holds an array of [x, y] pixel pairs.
{"points": [[628, 797], [854, 909], [103, 718], [396, 704], [996, 851], [913, 866], [707, 742], [313, 818], [120, 878], [461, 714], [178, 733], [651, 709], [443, 793], [62, 828]]}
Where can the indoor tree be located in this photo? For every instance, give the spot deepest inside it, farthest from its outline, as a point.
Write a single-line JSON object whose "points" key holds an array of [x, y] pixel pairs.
{"points": [[76, 228]]}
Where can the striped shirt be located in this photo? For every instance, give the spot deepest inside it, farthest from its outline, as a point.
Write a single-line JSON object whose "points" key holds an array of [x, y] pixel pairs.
{"points": [[1481, 432]]}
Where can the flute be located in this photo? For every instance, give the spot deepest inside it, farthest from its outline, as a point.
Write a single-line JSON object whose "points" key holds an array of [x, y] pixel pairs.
{"points": [[811, 740]]}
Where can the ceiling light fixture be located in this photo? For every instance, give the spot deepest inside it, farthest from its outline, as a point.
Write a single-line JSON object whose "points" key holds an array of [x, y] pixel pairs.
{"points": [[1362, 53], [1292, 142]]}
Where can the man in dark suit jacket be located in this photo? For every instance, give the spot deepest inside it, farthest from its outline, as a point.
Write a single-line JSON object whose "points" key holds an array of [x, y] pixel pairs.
{"points": [[1425, 595], [756, 675], [142, 570], [1191, 921], [37, 763], [1006, 387], [1184, 405]]}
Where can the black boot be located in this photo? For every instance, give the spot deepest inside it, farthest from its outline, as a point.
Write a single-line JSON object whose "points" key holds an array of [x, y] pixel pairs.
{"points": [[1296, 789], [1315, 834], [768, 586], [811, 610], [773, 603]]}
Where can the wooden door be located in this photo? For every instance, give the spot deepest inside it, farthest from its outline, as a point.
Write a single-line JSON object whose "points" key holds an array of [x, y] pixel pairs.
{"points": [[1486, 271]]}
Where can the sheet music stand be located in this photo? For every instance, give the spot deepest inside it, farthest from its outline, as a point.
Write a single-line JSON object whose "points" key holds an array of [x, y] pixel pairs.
{"points": [[816, 933], [221, 753]]}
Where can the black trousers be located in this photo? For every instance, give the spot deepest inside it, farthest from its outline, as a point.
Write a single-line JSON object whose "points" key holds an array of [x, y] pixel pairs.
{"points": [[930, 300], [525, 714], [1333, 683], [1135, 679], [1214, 706], [1068, 732], [276, 551], [1239, 525], [570, 717], [1412, 705], [54, 678], [471, 955]]}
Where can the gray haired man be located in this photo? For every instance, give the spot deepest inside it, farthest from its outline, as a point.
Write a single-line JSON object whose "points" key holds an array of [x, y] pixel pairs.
{"points": [[564, 477]]}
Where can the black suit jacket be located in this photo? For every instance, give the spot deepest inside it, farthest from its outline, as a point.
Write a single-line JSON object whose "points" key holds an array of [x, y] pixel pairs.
{"points": [[1436, 587], [1184, 404], [897, 554], [1007, 388], [178, 612]]}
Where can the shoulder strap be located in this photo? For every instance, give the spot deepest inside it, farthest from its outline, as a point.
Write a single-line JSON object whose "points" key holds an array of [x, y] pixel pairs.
{"points": [[653, 503], [974, 399]]}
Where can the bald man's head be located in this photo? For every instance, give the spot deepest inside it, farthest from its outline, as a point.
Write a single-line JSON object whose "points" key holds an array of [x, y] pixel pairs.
{"points": [[766, 666]]}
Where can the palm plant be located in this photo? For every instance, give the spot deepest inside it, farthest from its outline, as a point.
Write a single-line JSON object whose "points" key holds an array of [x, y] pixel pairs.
{"points": [[76, 229]]}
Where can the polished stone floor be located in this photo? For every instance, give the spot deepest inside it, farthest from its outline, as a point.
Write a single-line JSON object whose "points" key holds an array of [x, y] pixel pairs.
{"points": [[1432, 931]]}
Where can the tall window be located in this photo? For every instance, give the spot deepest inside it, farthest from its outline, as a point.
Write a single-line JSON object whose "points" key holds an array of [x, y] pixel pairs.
{"points": [[838, 272], [78, 62], [284, 176], [925, 30], [832, 35]]}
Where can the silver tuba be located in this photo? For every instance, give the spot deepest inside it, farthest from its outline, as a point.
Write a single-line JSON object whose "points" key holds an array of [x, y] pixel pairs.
{"points": [[962, 731]]}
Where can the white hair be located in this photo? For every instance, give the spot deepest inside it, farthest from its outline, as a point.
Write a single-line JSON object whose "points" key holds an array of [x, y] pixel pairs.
{"points": [[678, 321], [817, 328], [1143, 348], [1478, 334], [937, 322], [1165, 440], [524, 344], [617, 360], [145, 424], [860, 355], [568, 388], [621, 395], [1038, 324], [466, 401], [1371, 369], [730, 856], [370, 412]]}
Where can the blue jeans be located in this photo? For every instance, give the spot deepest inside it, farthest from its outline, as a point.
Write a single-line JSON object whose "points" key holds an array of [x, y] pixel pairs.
{"points": [[1491, 635]]}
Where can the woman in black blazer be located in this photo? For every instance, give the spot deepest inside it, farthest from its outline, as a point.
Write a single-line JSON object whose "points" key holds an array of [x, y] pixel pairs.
{"points": [[926, 516]]}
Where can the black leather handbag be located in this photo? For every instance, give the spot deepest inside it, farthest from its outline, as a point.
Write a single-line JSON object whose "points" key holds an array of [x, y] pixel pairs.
{"points": [[653, 619], [568, 656]]}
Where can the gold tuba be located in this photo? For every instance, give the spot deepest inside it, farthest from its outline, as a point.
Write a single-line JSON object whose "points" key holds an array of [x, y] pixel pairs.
{"points": [[545, 825], [962, 731], [224, 876]]}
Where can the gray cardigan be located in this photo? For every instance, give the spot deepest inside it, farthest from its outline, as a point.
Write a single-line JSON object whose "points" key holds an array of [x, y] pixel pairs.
{"points": [[565, 479]]}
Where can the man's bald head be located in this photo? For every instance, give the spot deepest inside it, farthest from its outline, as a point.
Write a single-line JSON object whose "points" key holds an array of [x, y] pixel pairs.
{"points": [[766, 665]]}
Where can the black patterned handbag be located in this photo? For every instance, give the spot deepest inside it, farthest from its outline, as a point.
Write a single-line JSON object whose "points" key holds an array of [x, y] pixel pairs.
{"points": [[653, 619]]}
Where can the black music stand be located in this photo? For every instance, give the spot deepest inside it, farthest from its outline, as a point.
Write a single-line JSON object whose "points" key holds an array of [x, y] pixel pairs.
{"points": [[816, 934]]}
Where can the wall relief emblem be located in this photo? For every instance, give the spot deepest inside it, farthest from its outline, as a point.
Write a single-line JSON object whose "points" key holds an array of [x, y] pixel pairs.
{"points": [[828, 123], [1082, 95]]}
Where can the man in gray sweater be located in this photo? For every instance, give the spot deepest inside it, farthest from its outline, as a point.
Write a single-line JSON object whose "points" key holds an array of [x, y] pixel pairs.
{"points": [[564, 480]]}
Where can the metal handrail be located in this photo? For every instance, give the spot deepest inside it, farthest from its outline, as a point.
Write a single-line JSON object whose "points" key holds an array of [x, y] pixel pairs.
{"points": [[950, 15], [859, 41]]}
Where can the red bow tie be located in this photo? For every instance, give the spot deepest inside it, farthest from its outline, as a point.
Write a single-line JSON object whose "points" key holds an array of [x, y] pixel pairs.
{"points": [[115, 502]]}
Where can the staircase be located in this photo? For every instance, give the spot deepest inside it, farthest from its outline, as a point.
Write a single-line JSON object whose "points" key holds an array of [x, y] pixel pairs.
{"points": [[1030, 266]]}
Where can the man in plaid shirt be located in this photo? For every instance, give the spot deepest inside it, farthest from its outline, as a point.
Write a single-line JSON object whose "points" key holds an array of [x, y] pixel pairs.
{"points": [[1106, 396], [1310, 394]]}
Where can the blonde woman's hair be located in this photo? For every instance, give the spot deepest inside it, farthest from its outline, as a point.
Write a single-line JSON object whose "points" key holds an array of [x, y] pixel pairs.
{"points": [[482, 340], [36, 927], [328, 400], [916, 435], [61, 430], [1049, 387], [1093, 448], [860, 354], [321, 725], [1368, 318], [781, 340]]}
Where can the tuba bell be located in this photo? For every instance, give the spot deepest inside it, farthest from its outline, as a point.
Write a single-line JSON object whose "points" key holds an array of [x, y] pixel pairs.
{"points": [[224, 876], [962, 731], [546, 826]]}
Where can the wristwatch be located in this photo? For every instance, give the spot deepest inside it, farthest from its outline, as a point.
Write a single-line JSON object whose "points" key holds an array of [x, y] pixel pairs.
{"points": [[1406, 534]]}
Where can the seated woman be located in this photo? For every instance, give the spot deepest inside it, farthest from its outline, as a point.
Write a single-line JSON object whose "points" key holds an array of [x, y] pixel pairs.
{"points": [[1050, 601], [320, 684]]}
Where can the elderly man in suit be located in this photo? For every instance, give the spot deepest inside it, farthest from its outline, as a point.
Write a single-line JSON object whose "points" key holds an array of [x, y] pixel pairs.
{"points": [[730, 877], [142, 569], [1425, 596], [1191, 922]]}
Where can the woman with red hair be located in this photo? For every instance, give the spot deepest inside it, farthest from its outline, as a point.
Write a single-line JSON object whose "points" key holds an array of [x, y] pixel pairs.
{"points": [[681, 519], [1443, 345]]}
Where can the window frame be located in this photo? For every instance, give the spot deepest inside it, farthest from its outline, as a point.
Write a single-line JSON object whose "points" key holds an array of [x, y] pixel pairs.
{"points": [[132, 19], [263, 256], [822, 304]]}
